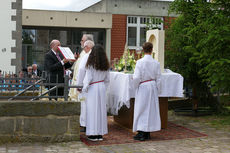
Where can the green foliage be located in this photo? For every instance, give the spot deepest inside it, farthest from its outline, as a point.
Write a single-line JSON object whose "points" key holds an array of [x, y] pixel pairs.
{"points": [[152, 23], [199, 43]]}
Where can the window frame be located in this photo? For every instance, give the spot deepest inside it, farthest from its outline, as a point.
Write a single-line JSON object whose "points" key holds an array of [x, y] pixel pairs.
{"points": [[138, 26]]}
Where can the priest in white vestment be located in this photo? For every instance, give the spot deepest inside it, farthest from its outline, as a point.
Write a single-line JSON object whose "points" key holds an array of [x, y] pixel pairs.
{"points": [[73, 94], [95, 84], [88, 45], [146, 79]]}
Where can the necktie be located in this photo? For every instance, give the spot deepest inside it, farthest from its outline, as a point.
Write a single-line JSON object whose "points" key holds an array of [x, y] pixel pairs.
{"points": [[58, 57]]}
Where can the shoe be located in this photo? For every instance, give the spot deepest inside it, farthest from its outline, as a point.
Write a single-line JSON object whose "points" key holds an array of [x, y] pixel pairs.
{"points": [[147, 135], [83, 129], [140, 135], [137, 136], [99, 138], [142, 138], [92, 138]]}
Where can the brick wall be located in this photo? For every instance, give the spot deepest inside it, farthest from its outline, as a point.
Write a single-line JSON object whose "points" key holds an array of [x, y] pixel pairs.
{"points": [[168, 21], [118, 35]]}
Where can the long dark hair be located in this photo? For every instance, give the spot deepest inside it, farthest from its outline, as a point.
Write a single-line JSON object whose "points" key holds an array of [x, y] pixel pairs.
{"points": [[98, 59]]}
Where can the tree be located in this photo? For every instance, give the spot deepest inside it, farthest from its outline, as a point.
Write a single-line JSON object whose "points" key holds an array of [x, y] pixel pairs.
{"points": [[199, 46]]}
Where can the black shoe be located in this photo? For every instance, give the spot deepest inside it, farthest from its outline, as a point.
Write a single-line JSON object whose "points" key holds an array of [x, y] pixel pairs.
{"points": [[139, 135], [99, 138], [147, 135], [83, 129], [92, 138], [142, 138]]}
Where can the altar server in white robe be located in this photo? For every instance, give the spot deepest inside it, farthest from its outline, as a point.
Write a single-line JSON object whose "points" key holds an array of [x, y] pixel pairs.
{"points": [[95, 84], [88, 45], [73, 94], [146, 79]]}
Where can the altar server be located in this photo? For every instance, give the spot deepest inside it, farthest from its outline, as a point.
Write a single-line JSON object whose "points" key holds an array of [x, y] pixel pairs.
{"points": [[146, 79], [95, 83]]}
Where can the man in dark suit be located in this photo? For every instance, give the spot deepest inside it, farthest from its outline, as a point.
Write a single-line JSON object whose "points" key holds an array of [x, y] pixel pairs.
{"points": [[36, 71], [55, 67]]}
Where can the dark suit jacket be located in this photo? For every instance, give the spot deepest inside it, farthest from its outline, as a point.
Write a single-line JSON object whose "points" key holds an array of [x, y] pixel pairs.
{"points": [[39, 73], [54, 67]]}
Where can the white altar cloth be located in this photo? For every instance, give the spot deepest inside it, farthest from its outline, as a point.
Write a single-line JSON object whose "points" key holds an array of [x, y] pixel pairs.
{"points": [[121, 89]]}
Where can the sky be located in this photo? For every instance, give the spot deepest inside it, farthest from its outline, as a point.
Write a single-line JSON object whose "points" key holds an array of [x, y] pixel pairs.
{"points": [[64, 5]]}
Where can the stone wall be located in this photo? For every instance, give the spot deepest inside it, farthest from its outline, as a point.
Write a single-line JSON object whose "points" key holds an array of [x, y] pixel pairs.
{"points": [[39, 121]]}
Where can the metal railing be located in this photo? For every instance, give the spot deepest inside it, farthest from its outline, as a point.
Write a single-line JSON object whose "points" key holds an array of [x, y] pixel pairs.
{"points": [[14, 88]]}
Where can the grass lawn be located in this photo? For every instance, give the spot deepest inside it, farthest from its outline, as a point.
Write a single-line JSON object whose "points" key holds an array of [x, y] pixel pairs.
{"points": [[216, 121]]}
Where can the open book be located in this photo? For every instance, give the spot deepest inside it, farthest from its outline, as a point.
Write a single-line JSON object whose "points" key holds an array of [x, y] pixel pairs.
{"points": [[66, 52]]}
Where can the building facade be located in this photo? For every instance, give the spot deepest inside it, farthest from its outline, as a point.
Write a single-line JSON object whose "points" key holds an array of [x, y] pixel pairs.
{"points": [[40, 27], [114, 23], [11, 35], [130, 18]]}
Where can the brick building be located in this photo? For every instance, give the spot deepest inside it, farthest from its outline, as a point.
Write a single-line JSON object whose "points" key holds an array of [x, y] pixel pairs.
{"points": [[129, 18], [113, 23]]}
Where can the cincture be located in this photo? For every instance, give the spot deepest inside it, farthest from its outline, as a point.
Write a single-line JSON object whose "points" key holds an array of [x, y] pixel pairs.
{"points": [[96, 82], [146, 81]]}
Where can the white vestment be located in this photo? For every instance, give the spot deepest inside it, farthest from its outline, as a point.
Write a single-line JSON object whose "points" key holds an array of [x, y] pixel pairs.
{"points": [[146, 108], [80, 79], [96, 112], [73, 91]]}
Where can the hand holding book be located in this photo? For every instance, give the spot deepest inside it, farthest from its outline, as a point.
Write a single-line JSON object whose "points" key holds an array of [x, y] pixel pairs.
{"points": [[67, 54]]}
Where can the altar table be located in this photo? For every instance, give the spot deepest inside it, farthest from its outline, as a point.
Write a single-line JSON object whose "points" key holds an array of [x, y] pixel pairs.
{"points": [[121, 95]]}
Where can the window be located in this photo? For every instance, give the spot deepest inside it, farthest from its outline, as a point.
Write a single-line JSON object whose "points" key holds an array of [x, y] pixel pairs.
{"points": [[137, 27], [35, 42], [132, 36]]}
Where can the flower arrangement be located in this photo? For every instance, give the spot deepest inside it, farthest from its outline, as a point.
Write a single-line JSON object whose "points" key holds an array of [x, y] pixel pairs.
{"points": [[126, 63]]}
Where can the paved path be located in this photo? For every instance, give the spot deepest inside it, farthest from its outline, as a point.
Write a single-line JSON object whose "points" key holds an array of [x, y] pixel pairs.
{"points": [[217, 141]]}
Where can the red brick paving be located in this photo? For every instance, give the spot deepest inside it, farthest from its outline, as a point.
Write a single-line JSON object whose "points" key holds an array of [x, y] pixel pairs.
{"points": [[121, 135]]}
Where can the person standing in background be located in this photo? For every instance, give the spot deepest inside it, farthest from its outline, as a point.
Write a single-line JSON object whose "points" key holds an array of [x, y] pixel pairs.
{"points": [[29, 72], [36, 71]]}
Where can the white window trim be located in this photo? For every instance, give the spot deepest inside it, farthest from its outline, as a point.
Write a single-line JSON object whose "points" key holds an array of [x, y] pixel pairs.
{"points": [[138, 25]]}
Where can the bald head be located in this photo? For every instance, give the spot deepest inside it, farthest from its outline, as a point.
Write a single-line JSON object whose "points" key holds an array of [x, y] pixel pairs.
{"points": [[54, 45]]}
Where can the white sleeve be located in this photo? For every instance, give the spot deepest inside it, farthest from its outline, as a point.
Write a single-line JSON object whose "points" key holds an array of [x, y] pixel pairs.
{"points": [[137, 75], [88, 79], [82, 71], [107, 79], [158, 79]]}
